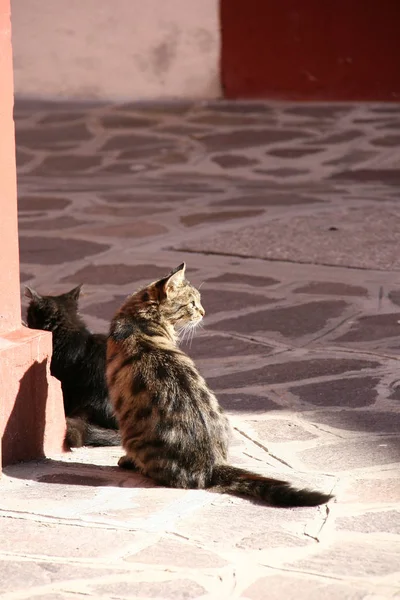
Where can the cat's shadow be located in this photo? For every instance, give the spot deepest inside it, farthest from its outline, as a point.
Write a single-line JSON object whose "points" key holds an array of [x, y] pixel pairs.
{"points": [[77, 473], [49, 471]]}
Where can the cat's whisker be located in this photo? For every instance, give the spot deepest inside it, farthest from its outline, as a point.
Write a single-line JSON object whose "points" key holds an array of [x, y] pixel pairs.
{"points": [[180, 331], [181, 334], [196, 325], [192, 334], [185, 333]]}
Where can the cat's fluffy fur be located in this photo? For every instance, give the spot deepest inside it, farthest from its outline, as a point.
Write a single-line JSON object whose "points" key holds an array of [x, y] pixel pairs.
{"points": [[172, 427], [78, 361]]}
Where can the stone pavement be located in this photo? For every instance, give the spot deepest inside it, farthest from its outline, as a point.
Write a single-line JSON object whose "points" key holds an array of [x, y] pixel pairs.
{"points": [[287, 216]]}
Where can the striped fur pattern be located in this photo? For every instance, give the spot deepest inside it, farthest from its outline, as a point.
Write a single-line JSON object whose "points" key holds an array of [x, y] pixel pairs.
{"points": [[172, 426]]}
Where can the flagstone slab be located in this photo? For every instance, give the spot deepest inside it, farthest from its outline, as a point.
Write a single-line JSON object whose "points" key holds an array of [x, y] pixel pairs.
{"points": [[286, 215]]}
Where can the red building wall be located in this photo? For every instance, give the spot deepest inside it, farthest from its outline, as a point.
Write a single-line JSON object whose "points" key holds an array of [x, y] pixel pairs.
{"points": [[311, 49]]}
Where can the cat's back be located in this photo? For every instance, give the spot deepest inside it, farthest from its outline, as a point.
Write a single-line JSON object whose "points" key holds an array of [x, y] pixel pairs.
{"points": [[158, 362], [154, 376], [164, 407]]}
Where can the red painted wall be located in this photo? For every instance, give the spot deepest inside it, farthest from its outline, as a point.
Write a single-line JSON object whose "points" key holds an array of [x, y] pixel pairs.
{"points": [[311, 49]]}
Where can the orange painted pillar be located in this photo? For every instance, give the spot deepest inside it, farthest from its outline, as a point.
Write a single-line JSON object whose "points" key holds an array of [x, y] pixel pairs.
{"points": [[32, 419]]}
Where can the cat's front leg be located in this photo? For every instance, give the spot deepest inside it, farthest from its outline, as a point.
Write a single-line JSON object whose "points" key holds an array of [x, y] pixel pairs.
{"points": [[127, 463]]}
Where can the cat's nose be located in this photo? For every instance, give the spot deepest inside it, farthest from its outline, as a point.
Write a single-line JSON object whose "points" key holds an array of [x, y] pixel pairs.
{"points": [[202, 311]]}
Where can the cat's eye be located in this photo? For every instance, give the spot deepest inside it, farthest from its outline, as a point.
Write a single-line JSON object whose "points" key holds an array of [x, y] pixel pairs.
{"points": [[193, 303]]}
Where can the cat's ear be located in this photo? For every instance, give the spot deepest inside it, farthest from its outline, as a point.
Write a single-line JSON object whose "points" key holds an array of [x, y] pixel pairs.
{"points": [[173, 280], [31, 294], [179, 272], [75, 293]]}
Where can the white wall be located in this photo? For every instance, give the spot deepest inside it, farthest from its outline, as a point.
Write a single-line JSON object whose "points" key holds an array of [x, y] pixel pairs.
{"points": [[118, 49]]}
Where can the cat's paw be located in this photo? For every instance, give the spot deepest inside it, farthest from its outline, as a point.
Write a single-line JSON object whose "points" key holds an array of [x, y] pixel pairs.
{"points": [[127, 463]]}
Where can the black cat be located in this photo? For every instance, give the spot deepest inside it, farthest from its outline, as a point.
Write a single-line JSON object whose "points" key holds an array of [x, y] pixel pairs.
{"points": [[79, 362]]}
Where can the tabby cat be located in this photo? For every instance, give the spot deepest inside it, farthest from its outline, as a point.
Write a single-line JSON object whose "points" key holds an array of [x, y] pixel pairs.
{"points": [[78, 361], [172, 427]]}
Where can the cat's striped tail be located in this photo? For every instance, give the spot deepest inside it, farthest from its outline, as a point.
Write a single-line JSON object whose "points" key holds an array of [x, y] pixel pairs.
{"points": [[233, 480]]}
